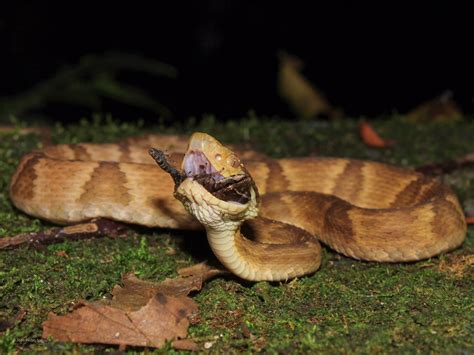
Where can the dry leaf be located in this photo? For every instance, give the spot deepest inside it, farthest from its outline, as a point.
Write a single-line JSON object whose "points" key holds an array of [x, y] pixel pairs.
{"points": [[135, 292], [371, 138], [62, 254], [201, 270], [470, 220], [439, 109], [162, 318], [185, 344], [141, 313], [304, 99]]}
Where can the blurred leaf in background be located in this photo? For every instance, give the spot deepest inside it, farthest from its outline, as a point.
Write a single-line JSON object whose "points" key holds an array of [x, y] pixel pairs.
{"points": [[440, 109], [305, 100]]}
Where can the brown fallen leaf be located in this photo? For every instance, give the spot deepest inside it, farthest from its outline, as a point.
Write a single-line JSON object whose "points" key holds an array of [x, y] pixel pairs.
{"points": [[201, 270], [304, 98], [185, 344], [470, 220], [141, 313], [371, 138], [62, 254], [162, 318], [135, 292], [440, 109]]}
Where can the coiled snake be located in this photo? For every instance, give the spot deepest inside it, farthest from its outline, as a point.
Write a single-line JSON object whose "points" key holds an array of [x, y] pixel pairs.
{"points": [[264, 218]]}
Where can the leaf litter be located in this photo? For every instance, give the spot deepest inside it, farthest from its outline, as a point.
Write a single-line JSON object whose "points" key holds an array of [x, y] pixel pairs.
{"points": [[140, 313], [371, 138]]}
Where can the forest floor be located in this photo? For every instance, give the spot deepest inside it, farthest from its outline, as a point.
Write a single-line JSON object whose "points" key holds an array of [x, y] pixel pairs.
{"points": [[347, 306]]}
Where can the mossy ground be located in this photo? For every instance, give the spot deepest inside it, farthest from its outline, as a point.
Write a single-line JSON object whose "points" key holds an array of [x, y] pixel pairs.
{"points": [[347, 306]]}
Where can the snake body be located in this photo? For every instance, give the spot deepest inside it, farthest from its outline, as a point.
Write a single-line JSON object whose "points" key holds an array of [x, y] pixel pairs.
{"points": [[264, 218]]}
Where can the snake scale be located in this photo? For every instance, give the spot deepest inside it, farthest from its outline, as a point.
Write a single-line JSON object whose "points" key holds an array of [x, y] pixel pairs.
{"points": [[264, 218]]}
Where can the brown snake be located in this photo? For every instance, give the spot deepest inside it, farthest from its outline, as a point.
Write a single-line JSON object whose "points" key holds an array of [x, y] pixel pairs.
{"points": [[365, 210]]}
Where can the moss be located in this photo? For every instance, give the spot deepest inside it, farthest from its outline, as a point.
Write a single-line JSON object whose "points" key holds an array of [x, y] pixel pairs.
{"points": [[347, 306]]}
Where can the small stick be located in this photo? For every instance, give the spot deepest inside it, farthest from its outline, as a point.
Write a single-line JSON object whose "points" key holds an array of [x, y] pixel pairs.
{"points": [[160, 158], [447, 166], [6, 324], [96, 228]]}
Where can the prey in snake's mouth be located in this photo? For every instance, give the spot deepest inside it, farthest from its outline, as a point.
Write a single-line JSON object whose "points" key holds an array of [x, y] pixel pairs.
{"points": [[235, 188]]}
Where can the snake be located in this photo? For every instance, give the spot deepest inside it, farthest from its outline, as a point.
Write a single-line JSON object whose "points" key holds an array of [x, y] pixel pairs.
{"points": [[265, 219]]}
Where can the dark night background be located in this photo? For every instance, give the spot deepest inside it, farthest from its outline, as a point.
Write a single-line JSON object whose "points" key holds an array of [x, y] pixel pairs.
{"points": [[368, 58]]}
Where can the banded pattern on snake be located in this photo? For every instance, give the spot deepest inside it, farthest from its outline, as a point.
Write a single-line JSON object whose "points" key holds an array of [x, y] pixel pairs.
{"points": [[264, 218]]}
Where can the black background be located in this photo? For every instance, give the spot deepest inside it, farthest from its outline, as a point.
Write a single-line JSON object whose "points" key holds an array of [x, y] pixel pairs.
{"points": [[369, 58]]}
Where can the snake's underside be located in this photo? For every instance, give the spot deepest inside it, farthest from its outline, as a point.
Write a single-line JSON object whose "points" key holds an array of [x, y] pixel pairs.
{"points": [[365, 210]]}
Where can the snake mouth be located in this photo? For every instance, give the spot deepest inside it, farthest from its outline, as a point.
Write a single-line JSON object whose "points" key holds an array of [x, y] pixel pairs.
{"points": [[235, 188], [196, 163]]}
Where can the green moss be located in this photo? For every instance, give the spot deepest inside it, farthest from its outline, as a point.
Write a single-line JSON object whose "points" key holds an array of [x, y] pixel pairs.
{"points": [[347, 306]]}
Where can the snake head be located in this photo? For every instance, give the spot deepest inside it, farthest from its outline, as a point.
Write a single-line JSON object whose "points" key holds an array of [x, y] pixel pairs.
{"points": [[214, 184], [217, 169]]}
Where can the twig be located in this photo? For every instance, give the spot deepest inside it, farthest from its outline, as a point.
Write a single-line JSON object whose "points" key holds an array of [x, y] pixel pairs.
{"points": [[447, 166], [6, 324], [96, 228]]}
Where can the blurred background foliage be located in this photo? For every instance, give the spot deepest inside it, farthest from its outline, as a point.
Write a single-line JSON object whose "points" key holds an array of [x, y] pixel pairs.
{"points": [[94, 79], [64, 61]]}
